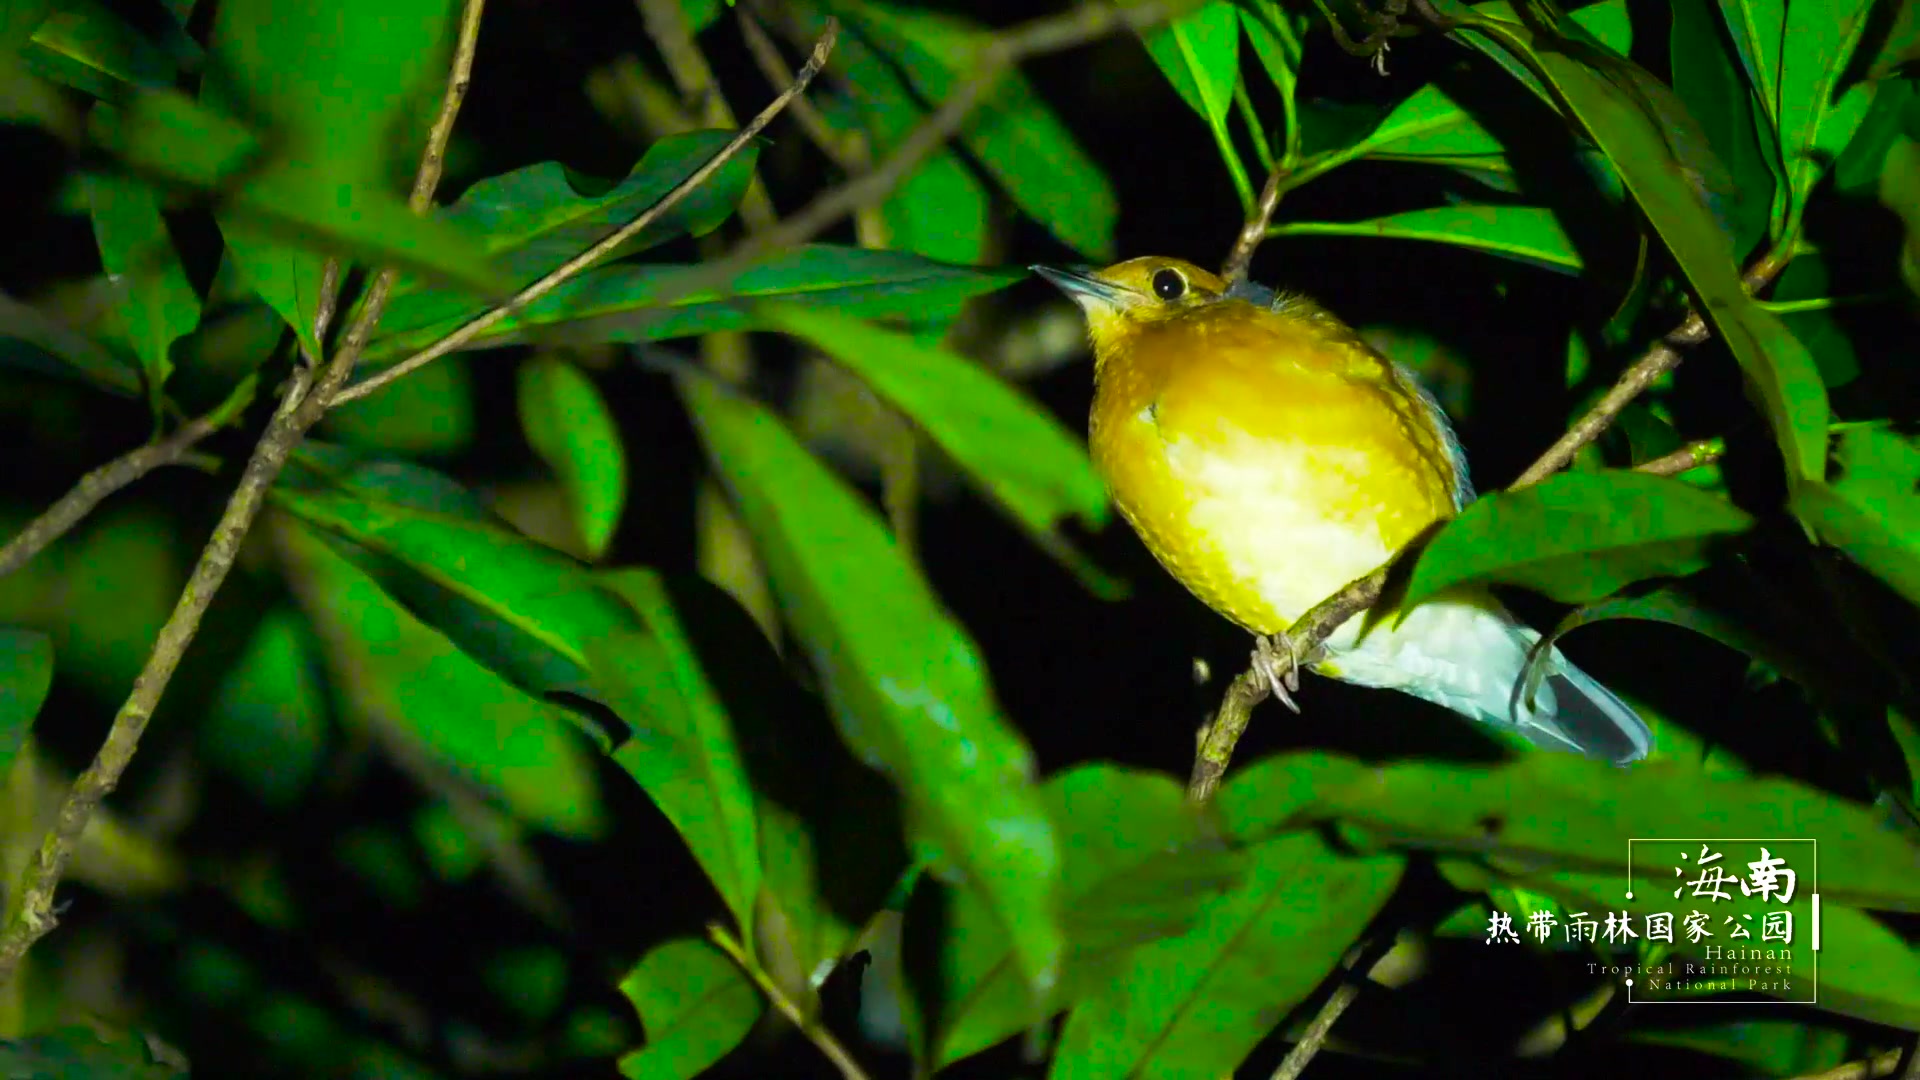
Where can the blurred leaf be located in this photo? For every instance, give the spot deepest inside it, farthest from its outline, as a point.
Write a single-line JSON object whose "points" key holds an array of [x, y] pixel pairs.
{"points": [[1816, 123], [428, 413], [267, 723], [1901, 46], [1708, 80], [1017, 452], [26, 673], [164, 135], [157, 304], [1138, 863], [407, 679], [1633, 131], [1529, 233], [89, 47], [1563, 812], [695, 1004], [1577, 536], [570, 427], [86, 1053], [1767, 1047], [909, 691], [1196, 1005], [940, 209], [617, 303], [684, 751], [518, 608], [32, 341], [1899, 191], [1013, 133], [532, 981], [702, 13], [1870, 508]]}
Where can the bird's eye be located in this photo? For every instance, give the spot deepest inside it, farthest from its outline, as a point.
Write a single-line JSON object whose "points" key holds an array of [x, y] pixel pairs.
{"points": [[1169, 284]]}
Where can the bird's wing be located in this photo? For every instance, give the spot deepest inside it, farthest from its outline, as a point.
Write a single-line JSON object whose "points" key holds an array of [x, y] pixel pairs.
{"points": [[1436, 416]]}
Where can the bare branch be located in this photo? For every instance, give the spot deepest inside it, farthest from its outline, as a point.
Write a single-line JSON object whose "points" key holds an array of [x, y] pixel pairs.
{"points": [[1234, 270], [1690, 456], [1316, 1034]]}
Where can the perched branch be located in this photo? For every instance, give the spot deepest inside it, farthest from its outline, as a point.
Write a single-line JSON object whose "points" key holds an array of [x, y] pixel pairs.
{"points": [[30, 916], [572, 267], [1662, 358], [1234, 270], [810, 1026], [1315, 1036], [94, 487]]}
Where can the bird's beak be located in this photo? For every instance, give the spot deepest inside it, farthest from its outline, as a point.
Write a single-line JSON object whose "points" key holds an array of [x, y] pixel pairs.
{"points": [[1086, 290]]}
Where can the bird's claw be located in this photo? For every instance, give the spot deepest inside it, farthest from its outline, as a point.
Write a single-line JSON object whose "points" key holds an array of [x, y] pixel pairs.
{"points": [[1265, 657]]}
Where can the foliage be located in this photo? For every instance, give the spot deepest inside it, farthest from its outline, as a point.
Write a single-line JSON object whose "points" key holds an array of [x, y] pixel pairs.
{"points": [[773, 598]]}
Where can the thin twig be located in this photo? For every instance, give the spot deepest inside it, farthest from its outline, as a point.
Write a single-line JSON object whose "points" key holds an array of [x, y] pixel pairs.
{"points": [[1690, 456], [1234, 270], [809, 1026], [847, 150], [306, 399], [572, 267], [94, 487], [1315, 1036]]}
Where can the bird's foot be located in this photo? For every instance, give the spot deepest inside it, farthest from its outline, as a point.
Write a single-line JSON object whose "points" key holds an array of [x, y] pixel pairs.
{"points": [[1266, 657]]}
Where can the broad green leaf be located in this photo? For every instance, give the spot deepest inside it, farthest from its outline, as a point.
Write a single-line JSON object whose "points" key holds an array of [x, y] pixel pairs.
{"points": [[1870, 508], [1428, 124], [908, 689], [1275, 33], [158, 304], [430, 413], [346, 92], [1577, 536], [407, 680], [569, 425], [1816, 122], [26, 673], [1139, 863], [695, 1005], [1017, 452], [1756, 27], [1527, 233], [1636, 131], [684, 751], [518, 608], [267, 724], [1199, 53], [532, 220], [1560, 812], [617, 303], [1015, 135], [1708, 80], [294, 215], [1196, 1005]]}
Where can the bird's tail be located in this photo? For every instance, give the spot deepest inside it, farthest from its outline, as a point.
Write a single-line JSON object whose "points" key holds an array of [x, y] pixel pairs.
{"points": [[1570, 711]]}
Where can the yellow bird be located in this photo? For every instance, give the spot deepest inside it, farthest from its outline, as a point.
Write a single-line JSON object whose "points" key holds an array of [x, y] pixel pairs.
{"points": [[1267, 456]]}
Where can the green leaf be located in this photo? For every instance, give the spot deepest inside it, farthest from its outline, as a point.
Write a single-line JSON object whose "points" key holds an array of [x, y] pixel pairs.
{"points": [[1199, 53], [1611, 99], [430, 413], [684, 750], [412, 683], [617, 303], [1528, 233], [26, 673], [89, 47], [1756, 27], [34, 341], [1708, 80], [520, 609], [346, 92], [1900, 48], [157, 303], [1869, 508], [1428, 124], [1577, 536], [1139, 863], [1563, 812], [1020, 141], [1275, 32], [909, 691], [1196, 1005], [570, 427], [1018, 453], [695, 1005], [1816, 123], [266, 726]]}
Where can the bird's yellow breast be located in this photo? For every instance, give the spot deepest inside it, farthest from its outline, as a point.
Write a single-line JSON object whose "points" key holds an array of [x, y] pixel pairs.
{"points": [[1266, 458]]}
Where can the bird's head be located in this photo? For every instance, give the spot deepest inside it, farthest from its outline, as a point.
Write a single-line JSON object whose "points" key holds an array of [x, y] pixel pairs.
{"points": [[1128, 297]]}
